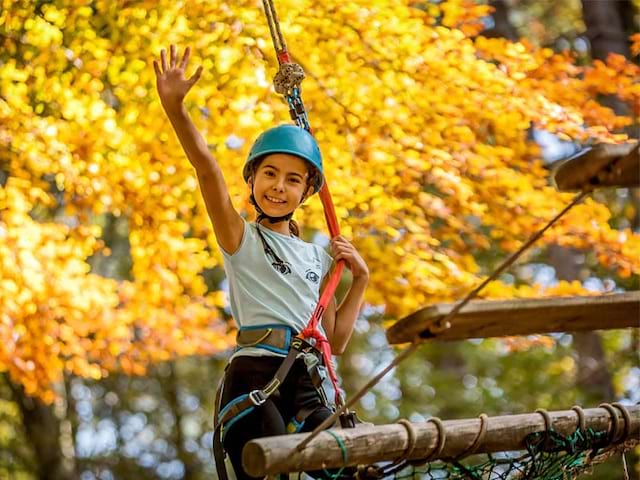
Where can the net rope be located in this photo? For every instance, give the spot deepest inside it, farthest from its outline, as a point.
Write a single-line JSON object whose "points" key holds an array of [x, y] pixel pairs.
{"points": [[548, 456]]}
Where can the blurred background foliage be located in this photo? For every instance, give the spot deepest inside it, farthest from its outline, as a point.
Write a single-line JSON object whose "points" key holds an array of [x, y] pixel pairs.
{"points": [[149, 414]]}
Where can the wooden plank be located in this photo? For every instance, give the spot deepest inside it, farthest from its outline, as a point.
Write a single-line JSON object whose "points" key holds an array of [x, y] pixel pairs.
{"points": [[497, 318], [603, 165], [368, 445]]}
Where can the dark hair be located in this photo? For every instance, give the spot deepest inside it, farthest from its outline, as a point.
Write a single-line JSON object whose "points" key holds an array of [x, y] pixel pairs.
{"points": [[312, 174], [294, 229]]}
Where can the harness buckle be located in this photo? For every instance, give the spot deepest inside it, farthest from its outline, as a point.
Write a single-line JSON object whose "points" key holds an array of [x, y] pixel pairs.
{"points": [[257, 397]]}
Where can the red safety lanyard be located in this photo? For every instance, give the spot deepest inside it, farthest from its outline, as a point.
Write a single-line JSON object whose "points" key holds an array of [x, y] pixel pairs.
{"points": [[311, 330]]}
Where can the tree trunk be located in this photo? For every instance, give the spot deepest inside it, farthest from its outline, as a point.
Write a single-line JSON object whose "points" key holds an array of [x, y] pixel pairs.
{"points": [[594, 377], [178, 438], [608, 30], [42, 429], [502, 26]]}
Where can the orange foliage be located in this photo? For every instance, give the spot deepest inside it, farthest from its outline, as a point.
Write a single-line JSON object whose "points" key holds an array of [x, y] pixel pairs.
{"points": [[424, 130]]}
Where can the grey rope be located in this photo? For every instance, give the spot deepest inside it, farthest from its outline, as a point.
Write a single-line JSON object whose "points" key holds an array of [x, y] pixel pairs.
{"points": [[274, 26], [548, 423], [582, 424], [627, 419], [625, 468], [411, 441], [442, 438], [470, 450], [615, 421]]}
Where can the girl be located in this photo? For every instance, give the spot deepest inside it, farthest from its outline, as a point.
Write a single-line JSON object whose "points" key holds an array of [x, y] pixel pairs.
{"points": [[274, 277]]}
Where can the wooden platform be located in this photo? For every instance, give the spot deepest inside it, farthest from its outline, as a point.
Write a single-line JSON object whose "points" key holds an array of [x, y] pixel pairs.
{"points": [[490, 318], [603, 165]]}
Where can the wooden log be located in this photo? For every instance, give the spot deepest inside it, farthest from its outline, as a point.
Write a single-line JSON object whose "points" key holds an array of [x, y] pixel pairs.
{"points": [[497, 318], [367, 445], [603, 165]]}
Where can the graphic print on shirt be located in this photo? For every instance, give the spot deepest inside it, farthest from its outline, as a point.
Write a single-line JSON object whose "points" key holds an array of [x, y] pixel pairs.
{"points": [[282, 267], [312, 276]]}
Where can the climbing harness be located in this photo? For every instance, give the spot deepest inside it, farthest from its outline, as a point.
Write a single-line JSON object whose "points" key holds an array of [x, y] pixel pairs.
{"points": [[279, 339]]}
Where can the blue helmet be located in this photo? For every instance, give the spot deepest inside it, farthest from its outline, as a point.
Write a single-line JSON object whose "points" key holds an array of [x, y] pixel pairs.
{"points": [[289, 139]]}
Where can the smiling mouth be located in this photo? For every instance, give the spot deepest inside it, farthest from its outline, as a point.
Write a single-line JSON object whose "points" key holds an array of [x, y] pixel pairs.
{"points": [[277, 201]]}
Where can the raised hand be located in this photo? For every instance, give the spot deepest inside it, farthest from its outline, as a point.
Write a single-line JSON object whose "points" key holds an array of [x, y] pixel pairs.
{"points": [[170, 78]]}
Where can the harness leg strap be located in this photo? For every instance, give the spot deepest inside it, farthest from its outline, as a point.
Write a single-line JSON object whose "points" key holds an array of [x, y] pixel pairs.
{"points": [[255, 399], [219, 454], [218, 451]]}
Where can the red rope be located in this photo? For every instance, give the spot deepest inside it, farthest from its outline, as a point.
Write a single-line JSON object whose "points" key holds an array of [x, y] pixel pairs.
{"points": [[283, 57], [311, 330]]}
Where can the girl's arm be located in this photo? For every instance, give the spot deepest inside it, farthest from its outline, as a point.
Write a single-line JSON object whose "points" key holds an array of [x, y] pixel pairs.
{"points": [[339, 323], [172, 88]]}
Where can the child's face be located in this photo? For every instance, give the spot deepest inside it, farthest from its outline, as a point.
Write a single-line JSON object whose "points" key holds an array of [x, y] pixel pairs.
{"points": [[280, 183]]}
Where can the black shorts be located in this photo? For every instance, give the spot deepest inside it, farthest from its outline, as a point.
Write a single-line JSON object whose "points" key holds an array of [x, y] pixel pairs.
{"points": [[297, 392]]}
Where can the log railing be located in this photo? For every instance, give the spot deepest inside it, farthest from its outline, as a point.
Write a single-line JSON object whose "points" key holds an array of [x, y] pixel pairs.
{"points": [[366, 445]]}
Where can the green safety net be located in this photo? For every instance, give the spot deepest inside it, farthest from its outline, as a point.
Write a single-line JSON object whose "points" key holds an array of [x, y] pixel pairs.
{"points": [[548, 456]]}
